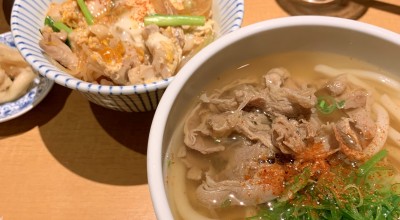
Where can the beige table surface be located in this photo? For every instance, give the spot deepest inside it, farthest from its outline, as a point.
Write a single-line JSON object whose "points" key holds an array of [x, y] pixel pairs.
{"points": [[70, 159]]}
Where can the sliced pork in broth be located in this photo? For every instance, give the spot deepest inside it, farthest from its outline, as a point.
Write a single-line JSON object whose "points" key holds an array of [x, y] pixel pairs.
{"points": [[254, 143]]}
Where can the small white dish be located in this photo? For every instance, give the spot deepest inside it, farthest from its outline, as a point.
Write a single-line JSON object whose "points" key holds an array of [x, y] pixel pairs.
{"points": [[40, 88]]}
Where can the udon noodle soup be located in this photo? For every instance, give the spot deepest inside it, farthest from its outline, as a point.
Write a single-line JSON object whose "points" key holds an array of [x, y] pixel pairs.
{"points": [[299, 135]]}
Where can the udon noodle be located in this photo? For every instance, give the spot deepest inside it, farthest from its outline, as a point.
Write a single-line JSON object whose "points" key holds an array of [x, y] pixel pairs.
{"points": [[125, 42], [310, 138], [16, 76]]}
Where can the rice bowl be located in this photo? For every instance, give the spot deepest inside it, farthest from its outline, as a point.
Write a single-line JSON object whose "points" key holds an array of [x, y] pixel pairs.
{"points": [[134, 98]]}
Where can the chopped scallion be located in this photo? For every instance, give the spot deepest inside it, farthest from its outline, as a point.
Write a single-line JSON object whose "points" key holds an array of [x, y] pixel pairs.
{"points": [[298, 183], [62, 26], [328, 104], [337, 195], [340, 104], [50, 22], [174, 20], [56, 25], [363, 169], [85, 11]]}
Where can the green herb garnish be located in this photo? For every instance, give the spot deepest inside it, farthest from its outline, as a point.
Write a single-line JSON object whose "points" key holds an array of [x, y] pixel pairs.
{"points": [[62, 26], [299, 182], [361, 193], [367, 166], [174, 20], [56, 25], [50, 22], [327, 104], [85, 11]]}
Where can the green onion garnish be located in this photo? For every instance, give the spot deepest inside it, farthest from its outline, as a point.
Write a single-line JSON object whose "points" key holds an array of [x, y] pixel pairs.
{"points": [[327, 104], [299, 183], [56, 25], [50, 22], [62, 26], [174, 20], [363, 169], [340, 104], [85, 11], [339, 195]]}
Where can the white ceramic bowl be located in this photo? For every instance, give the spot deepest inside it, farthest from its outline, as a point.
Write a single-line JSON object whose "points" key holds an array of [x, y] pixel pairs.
{"points": [[352, 38], [27, 18]]}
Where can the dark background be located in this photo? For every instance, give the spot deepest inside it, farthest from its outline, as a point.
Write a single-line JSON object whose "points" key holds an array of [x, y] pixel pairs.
{"points": [[7, 5]]}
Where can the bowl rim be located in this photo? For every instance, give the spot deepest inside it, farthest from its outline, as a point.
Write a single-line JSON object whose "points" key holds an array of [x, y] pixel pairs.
{"points": [[62, 78], [154, 151]]}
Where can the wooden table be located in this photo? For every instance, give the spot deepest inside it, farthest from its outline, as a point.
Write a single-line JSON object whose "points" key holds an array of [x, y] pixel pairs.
{"points": [[70, 159]]}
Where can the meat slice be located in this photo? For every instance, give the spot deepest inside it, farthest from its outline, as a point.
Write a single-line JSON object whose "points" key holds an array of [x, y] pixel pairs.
{"points": [[196, 164], [264, 186], [221, 114], [53, 43], [197, 134], [255, 126], [221, 125], [205, 127], [231, 98], [243, 109], [337, 85], [166, 55], [142, 73], [243, 160], [288, 101], [356, 98], [363, 122], [286, 136], [352, 154], [130, 60], [356, 101], [348, 136]]}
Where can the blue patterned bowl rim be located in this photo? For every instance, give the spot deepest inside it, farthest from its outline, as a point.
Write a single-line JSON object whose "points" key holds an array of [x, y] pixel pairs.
{"points": [[27, 18], [39, 90]]}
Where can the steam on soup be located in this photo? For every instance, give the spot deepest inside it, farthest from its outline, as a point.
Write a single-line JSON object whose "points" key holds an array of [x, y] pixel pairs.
{"points": [[293, 139]]}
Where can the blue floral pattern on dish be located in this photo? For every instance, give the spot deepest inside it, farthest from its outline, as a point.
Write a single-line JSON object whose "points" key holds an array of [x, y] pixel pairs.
{"points": [[39, 89]]}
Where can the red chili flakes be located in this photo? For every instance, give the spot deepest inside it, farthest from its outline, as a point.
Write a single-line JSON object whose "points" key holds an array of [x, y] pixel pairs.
{"points": [[272, 176]]}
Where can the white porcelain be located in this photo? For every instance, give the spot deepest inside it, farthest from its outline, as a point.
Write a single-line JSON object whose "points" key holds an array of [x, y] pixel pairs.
{"points": [[39, 89], [27, 18], [348, 37]]}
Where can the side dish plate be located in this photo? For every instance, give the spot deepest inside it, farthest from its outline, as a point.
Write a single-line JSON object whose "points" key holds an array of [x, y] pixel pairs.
{"points": [[40, 88]]}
